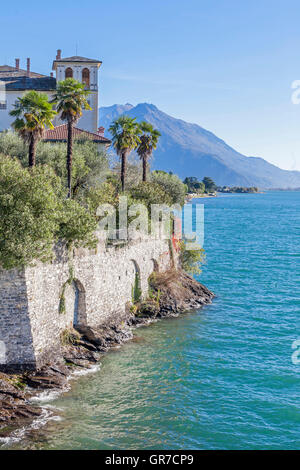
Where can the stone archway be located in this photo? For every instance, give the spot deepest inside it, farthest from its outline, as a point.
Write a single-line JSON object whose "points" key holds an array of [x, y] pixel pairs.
{"points": [[75, 304], [136, 282], [79, 304]]}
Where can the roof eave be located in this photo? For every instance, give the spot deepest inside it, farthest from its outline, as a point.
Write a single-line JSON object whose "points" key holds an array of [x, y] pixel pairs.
{"points": [[61, 61], [107, 144]]}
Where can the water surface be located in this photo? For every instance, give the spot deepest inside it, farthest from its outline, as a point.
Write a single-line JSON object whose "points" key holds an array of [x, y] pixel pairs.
{"points": [[218, 378]]}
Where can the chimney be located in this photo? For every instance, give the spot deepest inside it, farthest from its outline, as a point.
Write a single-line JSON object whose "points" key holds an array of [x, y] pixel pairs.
{"points": [[28, 65], [58, 55], [101, 131], [17, 64]]}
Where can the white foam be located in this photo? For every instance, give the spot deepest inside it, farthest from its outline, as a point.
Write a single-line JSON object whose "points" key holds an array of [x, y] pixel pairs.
{"points": [[19, 434], [47, 410], [90, 370], [49, 395]]}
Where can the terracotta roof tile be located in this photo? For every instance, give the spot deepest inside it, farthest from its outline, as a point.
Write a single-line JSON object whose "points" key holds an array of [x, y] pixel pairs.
{"points": [[60, 133]]}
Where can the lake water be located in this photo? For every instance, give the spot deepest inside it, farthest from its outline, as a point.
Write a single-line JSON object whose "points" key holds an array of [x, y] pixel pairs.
{"points": [[218, 378]]}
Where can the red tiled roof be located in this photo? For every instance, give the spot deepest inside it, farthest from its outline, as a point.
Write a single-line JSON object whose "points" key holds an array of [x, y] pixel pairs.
{"points": [[60, 133]]}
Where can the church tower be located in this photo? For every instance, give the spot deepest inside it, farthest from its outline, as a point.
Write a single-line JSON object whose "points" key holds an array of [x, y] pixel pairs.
{"points": [[85, 71]]}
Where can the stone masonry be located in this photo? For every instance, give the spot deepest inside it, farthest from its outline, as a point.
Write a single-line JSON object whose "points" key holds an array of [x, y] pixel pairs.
{"points": [[85, 288]]}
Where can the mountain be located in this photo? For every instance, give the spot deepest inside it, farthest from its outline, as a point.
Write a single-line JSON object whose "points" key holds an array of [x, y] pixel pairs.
{"points": [[189, 150]]}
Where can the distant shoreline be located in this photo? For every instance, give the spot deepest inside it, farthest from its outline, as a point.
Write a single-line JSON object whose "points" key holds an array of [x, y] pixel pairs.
{"points": [[189, 197]]}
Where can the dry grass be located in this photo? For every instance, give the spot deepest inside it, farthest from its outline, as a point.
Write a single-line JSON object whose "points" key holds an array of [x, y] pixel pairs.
{"points": [[69, 337], [172, 283]]}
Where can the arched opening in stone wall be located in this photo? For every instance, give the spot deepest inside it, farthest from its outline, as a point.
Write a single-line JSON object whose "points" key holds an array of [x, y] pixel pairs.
{"points": [[72, 302], [136, 291], [69, 73], [79, 317]]}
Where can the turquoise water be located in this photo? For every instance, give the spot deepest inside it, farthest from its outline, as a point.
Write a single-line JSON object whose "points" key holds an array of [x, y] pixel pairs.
{"points": [[218, 378]]}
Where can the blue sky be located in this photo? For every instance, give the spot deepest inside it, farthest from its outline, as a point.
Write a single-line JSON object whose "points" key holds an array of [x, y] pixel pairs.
{"points": [[227, 65]]}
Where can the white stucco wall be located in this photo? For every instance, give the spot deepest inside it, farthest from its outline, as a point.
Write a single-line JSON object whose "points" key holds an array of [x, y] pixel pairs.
{"points": [[11, 97], [89, 119]]}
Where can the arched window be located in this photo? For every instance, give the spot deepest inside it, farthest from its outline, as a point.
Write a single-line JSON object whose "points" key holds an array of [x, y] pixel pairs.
{"points": [[86, 77], [69, 73]]}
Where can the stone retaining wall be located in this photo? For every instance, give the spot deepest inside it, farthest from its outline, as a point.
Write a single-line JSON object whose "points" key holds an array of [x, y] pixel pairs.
{"points": [[38, 303]]}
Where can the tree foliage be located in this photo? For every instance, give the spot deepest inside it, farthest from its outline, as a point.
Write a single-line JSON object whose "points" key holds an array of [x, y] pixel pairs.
{"points": [[148, 143], [125, 133], [77, 225], [30, 212], [193, 185], [191, 260], [171, 184], [210, 185], [91, 167], [35, 214], [70, 100], [33, 114], [150, 193]]}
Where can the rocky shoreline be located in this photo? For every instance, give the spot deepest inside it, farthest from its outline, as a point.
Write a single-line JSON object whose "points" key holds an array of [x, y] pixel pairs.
{"points": [[171, 293]]}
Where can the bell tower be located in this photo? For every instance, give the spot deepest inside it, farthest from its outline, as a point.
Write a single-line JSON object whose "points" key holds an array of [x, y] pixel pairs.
{"points": [[85, 71]]}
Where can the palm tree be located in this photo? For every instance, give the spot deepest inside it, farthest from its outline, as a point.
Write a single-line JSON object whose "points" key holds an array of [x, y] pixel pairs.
{"points": [[71, 99], [148, 143], [33, 113], [125, 137]]}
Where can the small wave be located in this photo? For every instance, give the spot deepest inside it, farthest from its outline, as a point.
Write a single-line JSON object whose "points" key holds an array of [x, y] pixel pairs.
{"points": [[39, 422], [90, 370], [49, 395]]}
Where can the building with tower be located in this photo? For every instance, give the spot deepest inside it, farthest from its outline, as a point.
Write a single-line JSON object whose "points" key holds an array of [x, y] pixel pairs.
{"points": [[15, 81]]}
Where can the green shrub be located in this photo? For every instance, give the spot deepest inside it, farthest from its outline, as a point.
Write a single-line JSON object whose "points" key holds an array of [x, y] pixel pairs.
{"points": [[106, 193], [171, 184], [136, 289], [30, 211], [35, 214], [77, 225], [150, 193], [90, 166], [11, 144], [191, 260]]}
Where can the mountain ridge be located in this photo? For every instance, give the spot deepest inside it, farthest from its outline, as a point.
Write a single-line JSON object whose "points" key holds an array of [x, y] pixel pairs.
{"points": [[188, 149]]}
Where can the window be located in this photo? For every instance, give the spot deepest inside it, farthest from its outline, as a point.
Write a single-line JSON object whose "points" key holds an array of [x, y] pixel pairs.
{"points": [[3, 104], [86, 77], [69, 73]]}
